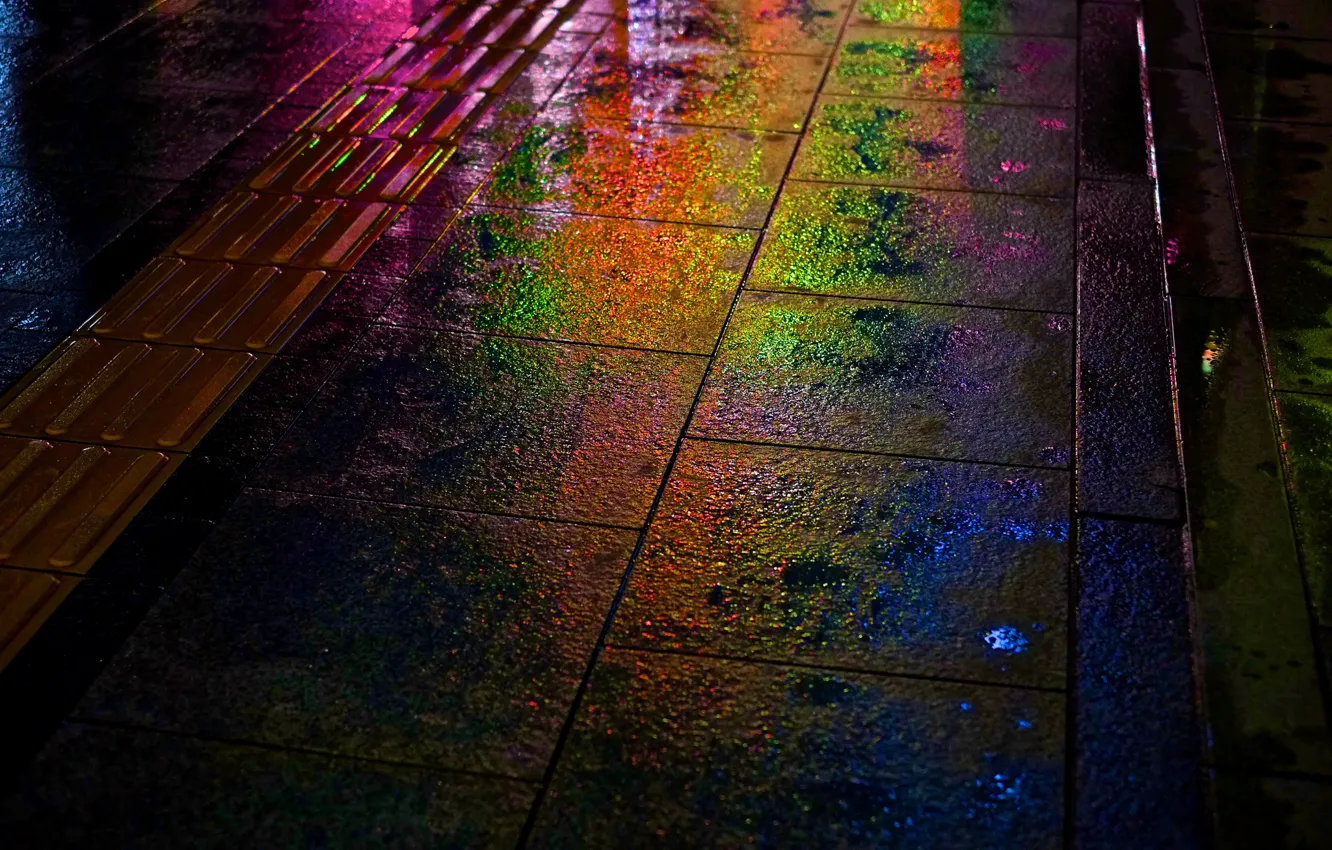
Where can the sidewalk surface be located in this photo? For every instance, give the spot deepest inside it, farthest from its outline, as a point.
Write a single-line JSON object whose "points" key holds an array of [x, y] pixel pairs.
{"points": [[605, 424]]}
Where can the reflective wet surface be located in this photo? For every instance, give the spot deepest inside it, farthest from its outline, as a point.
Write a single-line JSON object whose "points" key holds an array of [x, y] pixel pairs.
{"points": [[1252, 363], [702, 423]]}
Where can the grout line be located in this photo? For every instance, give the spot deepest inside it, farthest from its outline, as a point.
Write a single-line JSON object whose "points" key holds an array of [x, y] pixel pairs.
{"points": [[799, 181], [483, 206], [961, 191], [62, 64], [48, 572], [427, 506], [488, 205], [1073, 586], [567, 729], [247, 743], [835, 668], [799, 293], [704, 438], [1287, 391], [539, 340], [1286, 234], [865, 22]]}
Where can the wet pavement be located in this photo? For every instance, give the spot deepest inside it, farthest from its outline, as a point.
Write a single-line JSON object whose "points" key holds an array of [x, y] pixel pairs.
{"points": [[631, 423], [1243, 148]]}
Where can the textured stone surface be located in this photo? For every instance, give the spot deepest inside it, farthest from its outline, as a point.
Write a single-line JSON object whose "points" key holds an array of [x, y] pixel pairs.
{"points": [[1136, 720], [856, 561], [931, 381], [1127, 458], [801, 756], [372, 630], [145, 789]]}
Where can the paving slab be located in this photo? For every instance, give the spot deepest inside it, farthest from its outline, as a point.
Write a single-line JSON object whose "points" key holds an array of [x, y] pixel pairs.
{"points": [[803, 756]]}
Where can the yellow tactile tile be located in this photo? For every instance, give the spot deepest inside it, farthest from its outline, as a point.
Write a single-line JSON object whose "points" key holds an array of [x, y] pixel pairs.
{"points": [[127, 393], [26, 600], [287, 231], [61, 504], [212, 304], [353, 168], [507, 24], [444, 68], [400, 113]]}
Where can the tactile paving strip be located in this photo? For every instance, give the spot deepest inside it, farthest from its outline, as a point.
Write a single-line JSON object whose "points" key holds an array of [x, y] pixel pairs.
{"points": [[288, 230], [128, 393], [506, 24], [94, 430], [212, 304], [362, 169], [438, 117], [444, 68], [61, 504]]}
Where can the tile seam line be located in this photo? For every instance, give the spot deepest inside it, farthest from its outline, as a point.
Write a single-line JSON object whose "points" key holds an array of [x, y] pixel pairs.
{"points": [[959, 102], [426, 506], [150, 10], [1052, 36], [492, 205], [1072, 584], [604, 635], [295, 749], [739, 441], [1273, 405], [612, 346], [45, 572], [909, 98], [1285, 234], [790, 664], [962, 102], [1070, 196], [1288, 390], [261, 360], [484, 205], [658, 122], [696, 438], [797, 181], [913, 301], [539, 340], [801, 181]]}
